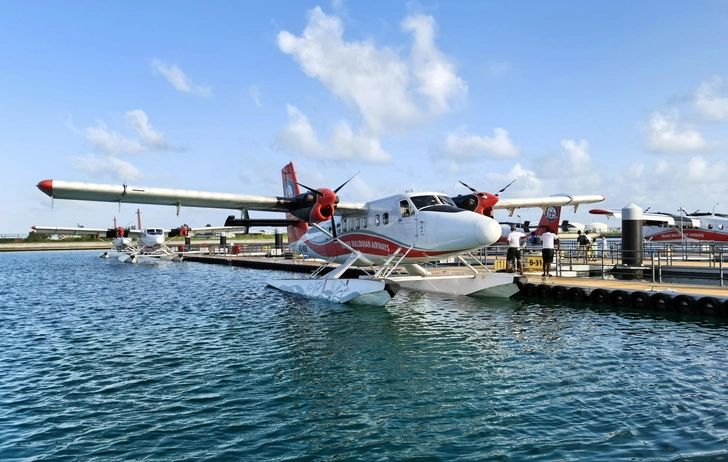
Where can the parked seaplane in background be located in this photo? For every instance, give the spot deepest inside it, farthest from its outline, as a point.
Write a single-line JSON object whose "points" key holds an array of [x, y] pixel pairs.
{"points": [[150, 243], [693, 227], [403, 230]]}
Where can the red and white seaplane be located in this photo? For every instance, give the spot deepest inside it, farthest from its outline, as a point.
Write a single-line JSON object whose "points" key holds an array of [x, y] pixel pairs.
{"points": [[403, 230], [150, 243], [696, 227]]}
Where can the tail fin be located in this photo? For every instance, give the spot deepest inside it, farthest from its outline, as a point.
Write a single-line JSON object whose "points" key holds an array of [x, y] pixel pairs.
{"points": [[549, 220], [291, 189]]}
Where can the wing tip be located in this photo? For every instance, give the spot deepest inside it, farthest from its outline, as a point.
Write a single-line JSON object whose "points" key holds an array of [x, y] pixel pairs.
{"points": [[46, 186]]}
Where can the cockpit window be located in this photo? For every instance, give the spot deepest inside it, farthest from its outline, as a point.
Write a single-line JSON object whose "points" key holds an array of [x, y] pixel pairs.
{"points": [[446, 200], [155, 232], [424, 201]]}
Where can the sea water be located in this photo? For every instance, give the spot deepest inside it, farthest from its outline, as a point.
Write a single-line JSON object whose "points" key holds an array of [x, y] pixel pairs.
{"points": [[101, 360]]}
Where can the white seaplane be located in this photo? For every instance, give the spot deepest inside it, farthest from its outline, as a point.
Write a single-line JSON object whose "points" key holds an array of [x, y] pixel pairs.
{"points": [[150, 243], [696, 227], [403, 230]]}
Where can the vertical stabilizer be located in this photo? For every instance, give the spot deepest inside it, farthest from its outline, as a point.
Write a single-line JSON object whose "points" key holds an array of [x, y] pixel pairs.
{"points": [[549, 220], [291, 189]]}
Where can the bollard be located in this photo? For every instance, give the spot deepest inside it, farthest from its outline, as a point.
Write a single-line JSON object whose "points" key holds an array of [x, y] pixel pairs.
{"points": [[632, 235]]}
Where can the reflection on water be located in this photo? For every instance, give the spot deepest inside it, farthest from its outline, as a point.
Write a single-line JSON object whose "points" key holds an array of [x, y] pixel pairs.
{"points": [[114, 362]]}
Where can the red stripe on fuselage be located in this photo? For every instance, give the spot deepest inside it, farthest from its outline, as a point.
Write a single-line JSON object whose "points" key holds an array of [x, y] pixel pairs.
{"points": [[372, 245], [692, 234]]}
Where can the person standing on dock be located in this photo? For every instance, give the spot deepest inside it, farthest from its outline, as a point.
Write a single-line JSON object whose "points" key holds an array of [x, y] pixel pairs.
{"points": [[514, 250], [547, 251]]}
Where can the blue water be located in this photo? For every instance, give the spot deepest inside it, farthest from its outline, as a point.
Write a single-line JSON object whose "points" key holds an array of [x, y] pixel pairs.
{"points": [[100, 360]]}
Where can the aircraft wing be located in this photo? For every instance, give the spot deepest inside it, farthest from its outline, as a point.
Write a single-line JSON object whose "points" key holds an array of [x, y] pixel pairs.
{"points": [[81, 231], [652, 217], [216, 230], [542, 202], [174, 197]]}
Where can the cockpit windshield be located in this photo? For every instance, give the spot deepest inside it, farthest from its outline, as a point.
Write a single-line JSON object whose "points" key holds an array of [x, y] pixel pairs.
{"points": [[421, 202], [155, 232], [446, 200]]}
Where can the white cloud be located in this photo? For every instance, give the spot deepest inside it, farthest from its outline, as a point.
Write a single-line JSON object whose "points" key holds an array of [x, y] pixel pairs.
{"points": [[255, 95], [376, 80], [435, 73], [577, 154], [464, 146], [108, 166], [499, 69], [110, 142], [179, 79], [300, 137], [699, 170], [139, 121], [709, 103], [663, 135], [527, 185]]}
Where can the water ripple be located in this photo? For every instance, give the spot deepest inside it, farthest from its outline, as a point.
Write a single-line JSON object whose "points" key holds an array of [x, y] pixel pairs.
{"points": [[106, 361]]}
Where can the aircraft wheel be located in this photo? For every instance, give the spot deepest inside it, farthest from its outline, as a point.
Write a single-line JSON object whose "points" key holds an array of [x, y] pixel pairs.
{"points": [[577, 294], [659, 302], [707, 306], [543, 291], [683, 304], [618, 298], [599, 297], [559, 293], [638, 300]]}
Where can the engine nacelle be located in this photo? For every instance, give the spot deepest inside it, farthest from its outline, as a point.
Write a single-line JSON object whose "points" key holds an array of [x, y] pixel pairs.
{"points": [[479, 203], [315, 208]]}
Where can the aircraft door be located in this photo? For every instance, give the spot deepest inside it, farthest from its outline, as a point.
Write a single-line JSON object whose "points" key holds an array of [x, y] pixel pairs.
{"points": [[407, 221]]}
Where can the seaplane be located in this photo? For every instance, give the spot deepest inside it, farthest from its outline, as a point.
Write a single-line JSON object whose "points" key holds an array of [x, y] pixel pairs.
{"points": [[696, 227], [150, 243], [402, 231]]}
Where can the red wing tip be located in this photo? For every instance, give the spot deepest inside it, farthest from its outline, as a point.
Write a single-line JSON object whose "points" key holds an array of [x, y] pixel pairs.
{"points": [[600, 211], [46, 186], [33, 227]]}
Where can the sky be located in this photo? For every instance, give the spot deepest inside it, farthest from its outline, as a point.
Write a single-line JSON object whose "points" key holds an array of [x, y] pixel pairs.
{"points": [[621, 98]]}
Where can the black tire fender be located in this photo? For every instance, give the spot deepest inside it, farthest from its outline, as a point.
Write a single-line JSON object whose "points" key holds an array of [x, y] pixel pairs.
{"points": [[683, 304], [599, 297], [576, 294], [638, 300], [529, 290], [559, 293], [660, 302], [618, 298], [707, 306], [543, 291]]}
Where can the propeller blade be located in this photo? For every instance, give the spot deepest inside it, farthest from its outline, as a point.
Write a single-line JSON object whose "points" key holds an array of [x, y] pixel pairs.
{"points": [[310, 189], [333, 227], [472, 189], [344, 183], [505, 187]]}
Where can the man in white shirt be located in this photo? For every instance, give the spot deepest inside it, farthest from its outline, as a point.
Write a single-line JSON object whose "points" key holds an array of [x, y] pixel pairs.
{"points": [[514, 249], [547, 251]]}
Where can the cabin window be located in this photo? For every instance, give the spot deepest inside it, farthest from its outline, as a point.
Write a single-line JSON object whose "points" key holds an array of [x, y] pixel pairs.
{"points": [[364, 222], [720, 226], [385, 219], [356, 223], [710, 226], [404, 209], [376, 220], [338, 228]]}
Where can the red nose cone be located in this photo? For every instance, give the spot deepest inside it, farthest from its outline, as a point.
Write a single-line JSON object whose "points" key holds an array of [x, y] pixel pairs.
{"points": [[46, 186]]}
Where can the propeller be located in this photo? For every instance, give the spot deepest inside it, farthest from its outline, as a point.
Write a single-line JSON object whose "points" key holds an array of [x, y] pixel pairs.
{"points": [[480, 193], [330, 206]]}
